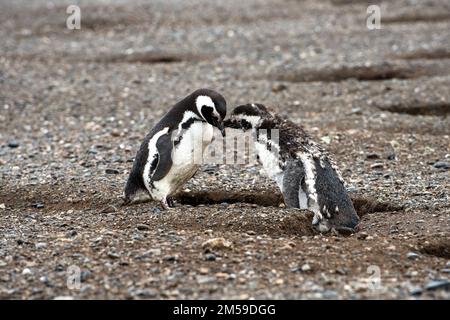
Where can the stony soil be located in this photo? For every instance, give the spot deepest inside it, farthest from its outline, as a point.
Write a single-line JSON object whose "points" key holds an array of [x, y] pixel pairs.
{"points": [[75, 105]]}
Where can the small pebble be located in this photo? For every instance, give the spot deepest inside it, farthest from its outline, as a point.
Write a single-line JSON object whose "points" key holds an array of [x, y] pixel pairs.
{"points": [[41, 245], [306, 267], [416, 292], [170, 258], [217, 244], [147, 293], [44, 280], [210, 257], [26, 271], [355, 111], [71, 234], [112, 171], [362, 235], [155, 210], [84, 275], [441, 165], [438, 284], [330, 294], [59, 268], [376, 166], [13, 144], [108, 209], [412, 256], [113, 255], [278, 87], [205, 279], [38, 205], [143, 227], [391, 156], [373, 156]]}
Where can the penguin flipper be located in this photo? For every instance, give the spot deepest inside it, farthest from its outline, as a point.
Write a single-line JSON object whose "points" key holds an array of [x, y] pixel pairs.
{"points": [[164, 146], [293, 176], [333, 197]]}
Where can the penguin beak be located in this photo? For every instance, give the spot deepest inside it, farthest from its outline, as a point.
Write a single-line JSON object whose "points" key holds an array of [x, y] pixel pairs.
{"points": [[221, 127]]}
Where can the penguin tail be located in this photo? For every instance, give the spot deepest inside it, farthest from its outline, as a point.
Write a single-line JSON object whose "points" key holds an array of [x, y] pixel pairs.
{"points": [[126, 201], [135, 194], [135, 191]]}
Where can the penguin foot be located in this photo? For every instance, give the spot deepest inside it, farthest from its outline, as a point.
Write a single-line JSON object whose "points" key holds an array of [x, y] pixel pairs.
{"points": [[170, 202], [320, 223], [167, 203], [164, 204], [317, 218]]}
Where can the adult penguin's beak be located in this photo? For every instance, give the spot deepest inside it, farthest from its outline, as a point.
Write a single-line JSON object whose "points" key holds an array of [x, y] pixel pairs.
{"points": [[221, 127]]}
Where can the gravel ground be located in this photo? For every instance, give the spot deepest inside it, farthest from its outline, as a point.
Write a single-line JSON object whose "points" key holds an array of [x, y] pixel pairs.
{"points": [[75, 105]]}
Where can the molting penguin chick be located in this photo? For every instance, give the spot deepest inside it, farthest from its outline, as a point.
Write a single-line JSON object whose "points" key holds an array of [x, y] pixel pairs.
{"points": [[303, 171], [172, 151]]}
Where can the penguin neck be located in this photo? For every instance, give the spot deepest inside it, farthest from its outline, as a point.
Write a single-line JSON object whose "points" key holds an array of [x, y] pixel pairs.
{"points": [[189, 117]]}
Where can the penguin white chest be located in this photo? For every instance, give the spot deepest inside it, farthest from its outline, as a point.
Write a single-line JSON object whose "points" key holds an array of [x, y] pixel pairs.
{"points": [[270, 161], [187, 156]]}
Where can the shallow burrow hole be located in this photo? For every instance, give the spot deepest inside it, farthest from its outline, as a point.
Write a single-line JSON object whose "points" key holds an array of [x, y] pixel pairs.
{"points": [[436, 54], [416, 17], [419, 108], [439, 247], [23, 198], [360, 73], [150, 57], [363, 205]]}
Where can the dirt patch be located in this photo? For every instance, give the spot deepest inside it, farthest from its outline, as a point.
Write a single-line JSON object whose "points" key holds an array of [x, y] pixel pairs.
{"points": [[349, 2], [241, 218], [135, 57], [52, 197], [88, 23], [415, 17], [149, 57], [95, 18], [419, 108], [49, 197], [361, 73], [363, 205], [96, 23], [437, 247], [367, 205], [263, 198], [437, 54]]}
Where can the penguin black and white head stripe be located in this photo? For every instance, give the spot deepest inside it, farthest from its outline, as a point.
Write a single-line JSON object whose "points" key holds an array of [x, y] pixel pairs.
{"points": [[212, 107], [165, 160], [248, 116], [302, 169]]}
